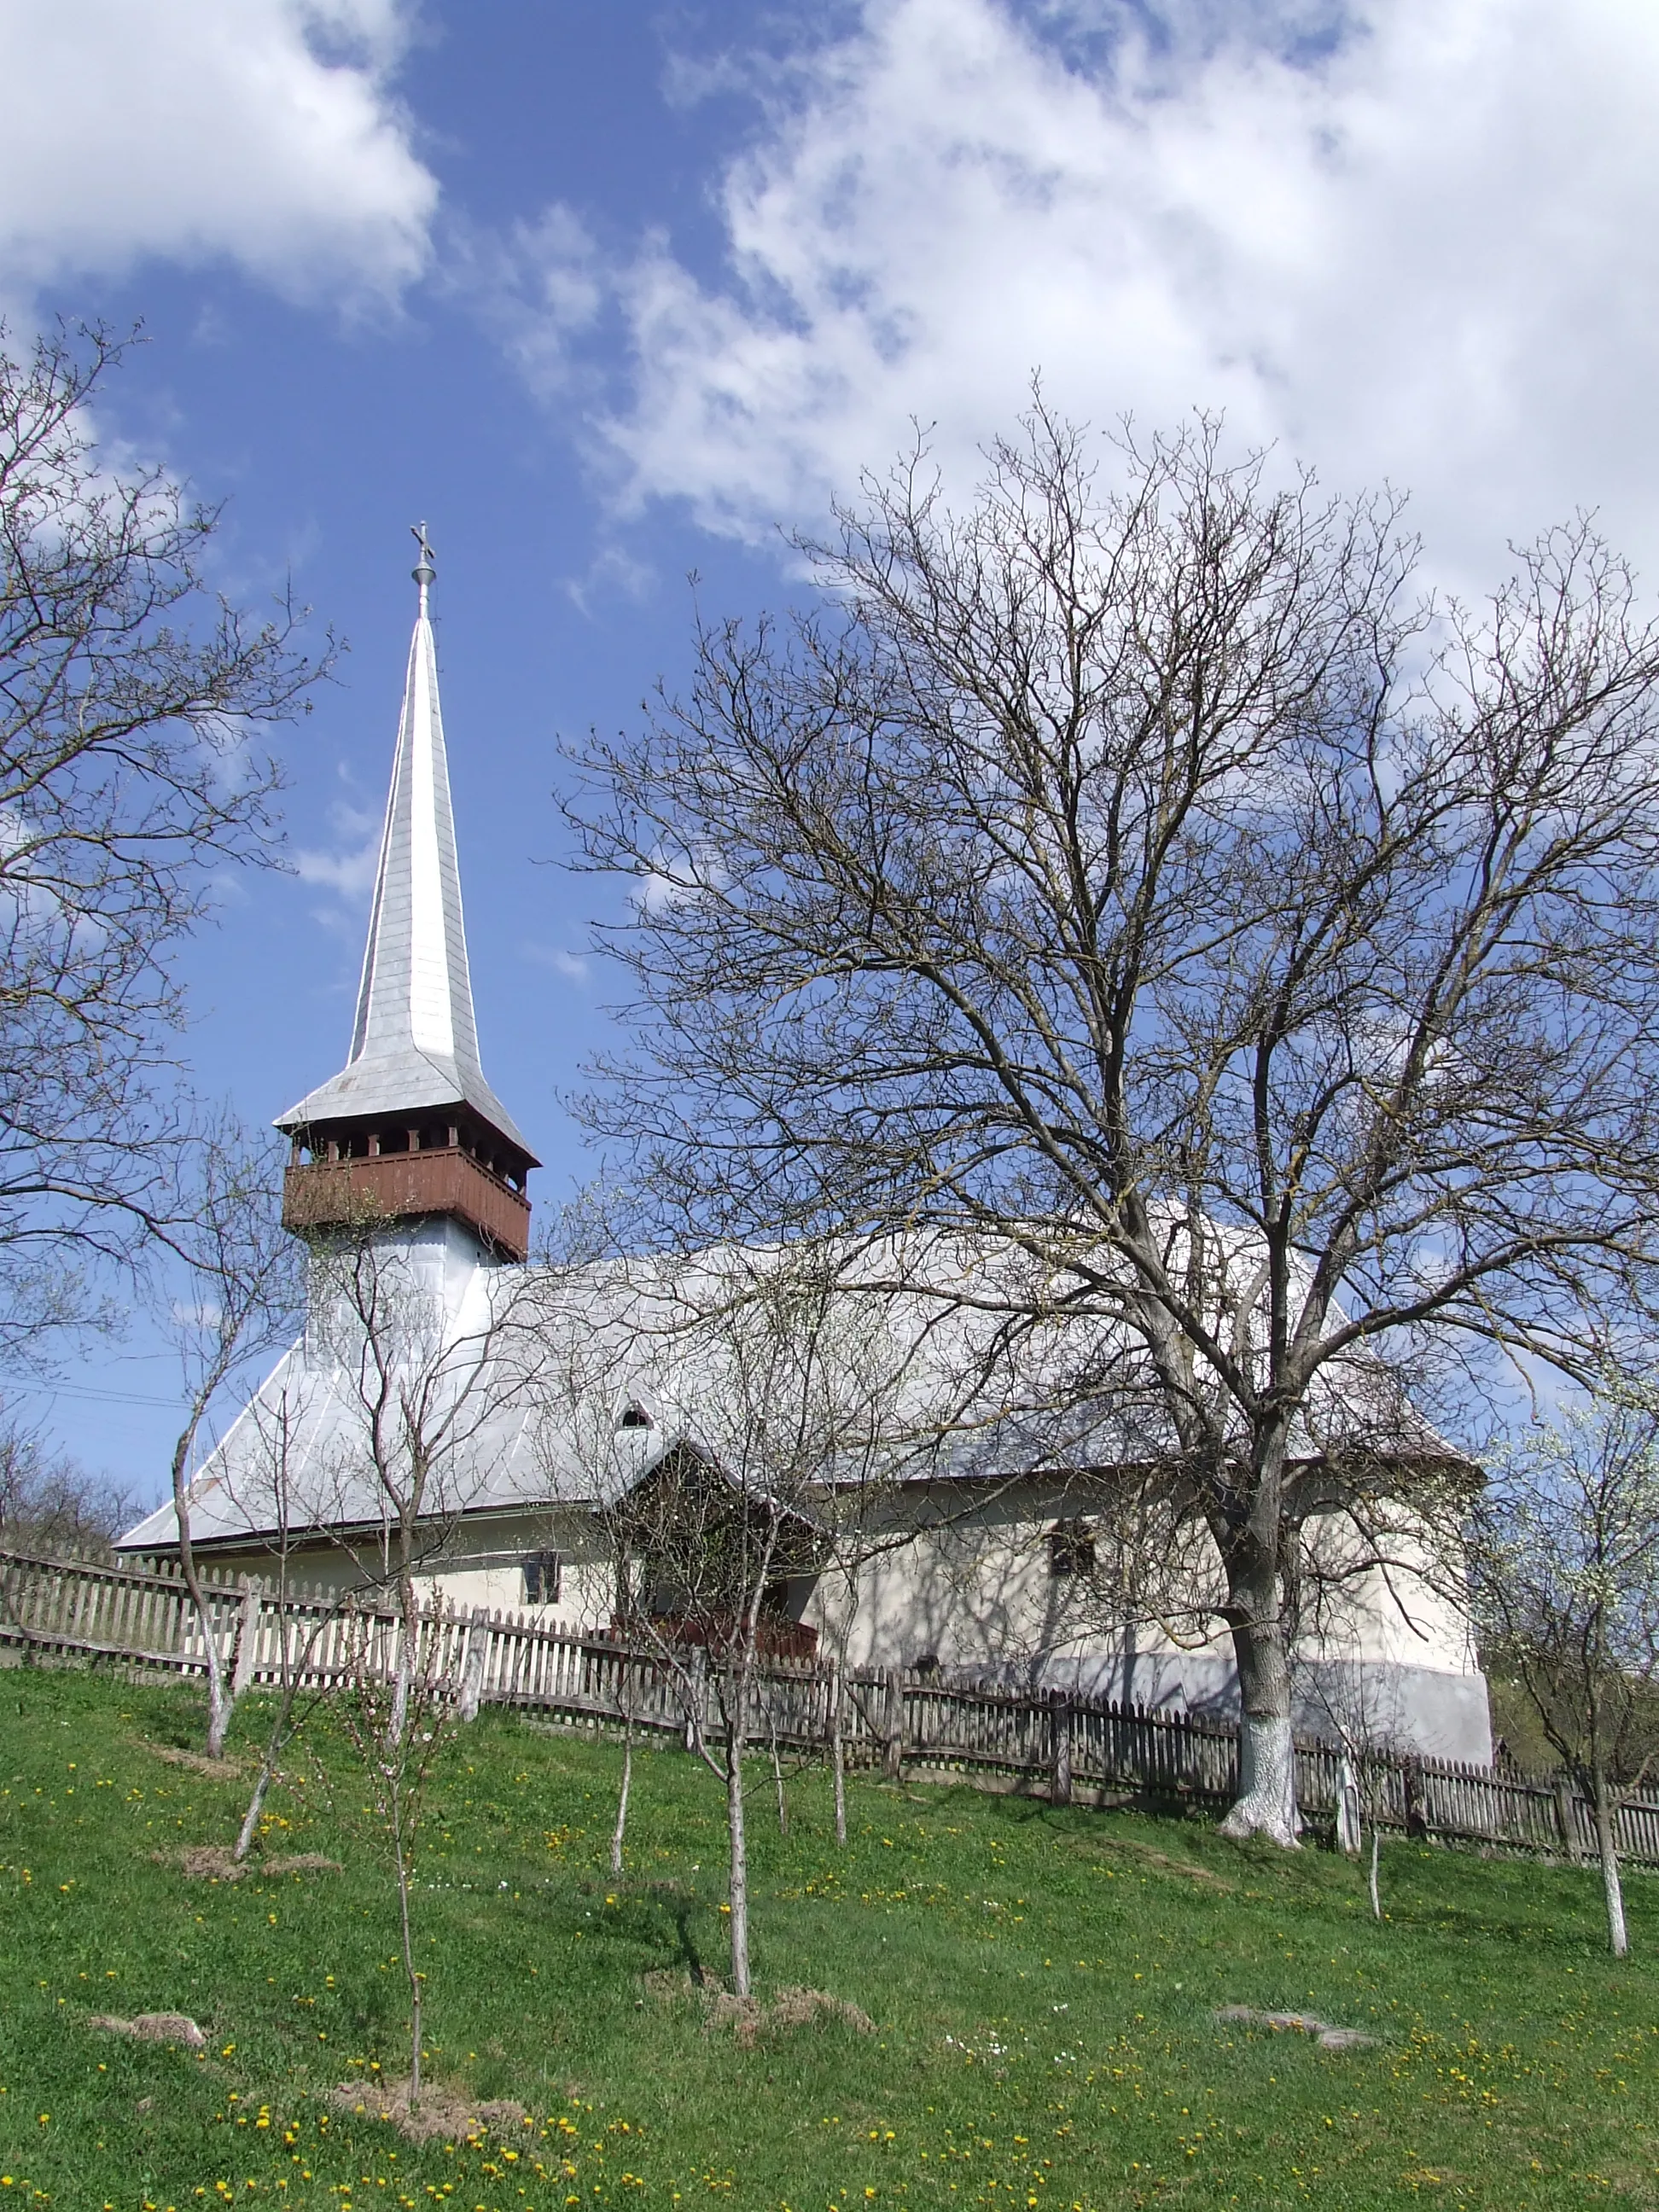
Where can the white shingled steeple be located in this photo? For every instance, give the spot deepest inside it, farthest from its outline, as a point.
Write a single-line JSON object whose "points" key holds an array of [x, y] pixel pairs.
{"points": [[414, 1043]]}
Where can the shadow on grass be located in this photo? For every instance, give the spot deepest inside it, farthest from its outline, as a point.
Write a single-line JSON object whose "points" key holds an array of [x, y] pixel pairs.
{"points": [[661, 1917]]}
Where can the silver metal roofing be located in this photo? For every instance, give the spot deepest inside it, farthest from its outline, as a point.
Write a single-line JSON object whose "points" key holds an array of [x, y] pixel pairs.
{"points": [[537, 1367], [415, 1042]]}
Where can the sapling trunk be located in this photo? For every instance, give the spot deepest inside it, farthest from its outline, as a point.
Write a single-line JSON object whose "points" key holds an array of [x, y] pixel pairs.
{"points": [[736, 1729], [219, 1698], [621, 1828], [255, 1806], [838, 1751], [410, 1971], [399, 1715], [282, 1728], [1377, 1900], [1613, 1889]]}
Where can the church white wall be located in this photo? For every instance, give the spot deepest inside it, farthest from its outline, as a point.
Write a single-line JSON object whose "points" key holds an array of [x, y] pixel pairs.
{"points": [[1392, 1659], [481, 1564]]}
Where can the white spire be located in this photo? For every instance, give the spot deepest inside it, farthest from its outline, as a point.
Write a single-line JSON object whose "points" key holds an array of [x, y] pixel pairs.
{"points": [[414, 1043]]}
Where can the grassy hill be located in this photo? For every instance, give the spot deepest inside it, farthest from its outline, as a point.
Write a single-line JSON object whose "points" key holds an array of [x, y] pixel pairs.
{"points": [[1042, 1991]]}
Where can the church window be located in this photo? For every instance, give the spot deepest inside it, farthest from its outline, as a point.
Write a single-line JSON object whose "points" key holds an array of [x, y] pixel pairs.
{"points": [[543, 1572], [1071, 1548]]}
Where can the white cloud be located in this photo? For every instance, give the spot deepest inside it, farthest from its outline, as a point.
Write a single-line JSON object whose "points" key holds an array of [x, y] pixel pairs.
{"points": [[537, 286], [349, 869], [1425, 249], [265, 133], [571, 965]]}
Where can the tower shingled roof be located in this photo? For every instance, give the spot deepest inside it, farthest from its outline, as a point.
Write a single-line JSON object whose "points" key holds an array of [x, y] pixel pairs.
{"points": [[414, 1041]]}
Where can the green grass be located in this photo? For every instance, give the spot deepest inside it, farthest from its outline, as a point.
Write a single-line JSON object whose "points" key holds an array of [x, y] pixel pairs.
{"points": [[1043, 1987]]}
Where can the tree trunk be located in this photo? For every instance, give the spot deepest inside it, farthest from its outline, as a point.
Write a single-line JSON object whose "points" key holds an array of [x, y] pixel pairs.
{"points": [[410, 1968], [219, 1701], [696, 1700], [1266, 1754], [621, 1828], [255, 1807], [736, 1729], [219, 1710], [292, 1678], [408, 1633], [838, 1749], [1377, 1899], [1607, 1844]]}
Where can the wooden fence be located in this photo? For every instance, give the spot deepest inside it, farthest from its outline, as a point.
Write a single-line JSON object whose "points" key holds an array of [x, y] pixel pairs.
{"points": [[1064, 1747]]}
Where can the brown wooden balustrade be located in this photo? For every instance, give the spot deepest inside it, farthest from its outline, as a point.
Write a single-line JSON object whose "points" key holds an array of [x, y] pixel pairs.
{"points": [[394, 1186]]}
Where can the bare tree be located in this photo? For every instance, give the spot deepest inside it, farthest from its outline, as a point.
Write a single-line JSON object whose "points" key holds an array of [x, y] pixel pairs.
{"points": [[1137, 876], [1568, 1560], [49, 1507], [1358, 1713], [773, 1394], [242, 1293], [395, 1718], [50, 1504], [423, 1380], [279, 1420], [423, 1391], [132, 701]]}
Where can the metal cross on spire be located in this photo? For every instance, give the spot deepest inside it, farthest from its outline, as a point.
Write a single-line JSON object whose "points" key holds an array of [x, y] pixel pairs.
{"points": [[425, 569]]}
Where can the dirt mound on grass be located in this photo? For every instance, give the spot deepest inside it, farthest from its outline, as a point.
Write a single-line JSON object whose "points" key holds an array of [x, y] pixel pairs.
{"points": [[1301, 2023], [1149, 1856], [217, 1862], [748, 2018], [668, 1986], [220, 1770], [445, 2111], [154, 2027]]}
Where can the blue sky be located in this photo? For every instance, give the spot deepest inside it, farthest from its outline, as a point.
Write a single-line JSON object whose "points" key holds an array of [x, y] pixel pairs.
{"points": [[609, 293]]}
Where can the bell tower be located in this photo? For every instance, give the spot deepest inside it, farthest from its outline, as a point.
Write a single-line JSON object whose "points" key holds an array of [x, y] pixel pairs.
{"points": [[409, 1129]]}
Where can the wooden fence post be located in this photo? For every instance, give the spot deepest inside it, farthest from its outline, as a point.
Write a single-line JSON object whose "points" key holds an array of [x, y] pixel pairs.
{"points": [[1566, 1817], [696, 1700], [1349, 1808], [892, 1758], [1416, 1824], [1060, 1787], [472, 1666], [247, 1638]]}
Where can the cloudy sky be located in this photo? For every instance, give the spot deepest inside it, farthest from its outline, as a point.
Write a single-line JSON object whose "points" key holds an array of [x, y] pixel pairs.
{"points": [[610, 291]]}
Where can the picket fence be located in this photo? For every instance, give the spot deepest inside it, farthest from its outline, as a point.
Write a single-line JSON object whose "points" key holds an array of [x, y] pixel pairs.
{"points": [[1067, 1748]]}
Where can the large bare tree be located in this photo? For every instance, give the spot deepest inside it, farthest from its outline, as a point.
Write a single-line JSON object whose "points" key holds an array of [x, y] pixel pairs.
{"points": [[132, 700], [1132, 870]]}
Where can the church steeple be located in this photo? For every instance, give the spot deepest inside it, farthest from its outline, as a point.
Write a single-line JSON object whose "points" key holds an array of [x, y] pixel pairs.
{"points": [[410, 1127]]}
